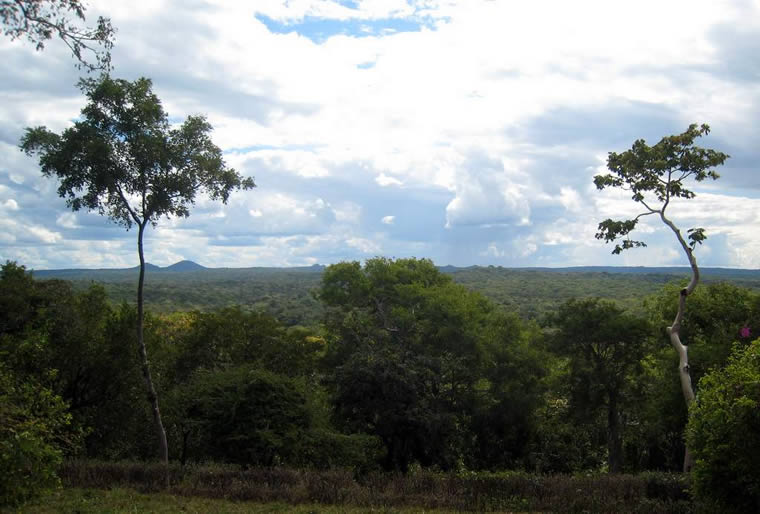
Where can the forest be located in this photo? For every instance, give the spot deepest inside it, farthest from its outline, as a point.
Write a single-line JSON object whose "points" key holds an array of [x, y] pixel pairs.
{"points": [[373, 385], [404, 371]]}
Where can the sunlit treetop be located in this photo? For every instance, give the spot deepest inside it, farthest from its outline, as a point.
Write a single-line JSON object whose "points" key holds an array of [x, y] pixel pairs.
{"points": [[655, 175]]}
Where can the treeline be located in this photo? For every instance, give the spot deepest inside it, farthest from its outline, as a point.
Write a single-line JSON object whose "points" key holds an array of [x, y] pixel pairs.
{"points": [[406, 370], [288, 293]]}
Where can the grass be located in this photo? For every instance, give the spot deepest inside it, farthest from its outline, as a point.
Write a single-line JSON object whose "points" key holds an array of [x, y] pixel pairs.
{"points": [[121, 500]]}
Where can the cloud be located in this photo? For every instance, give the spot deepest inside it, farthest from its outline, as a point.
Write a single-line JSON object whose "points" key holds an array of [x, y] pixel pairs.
{"points": [[385, 180], [487, 195], [479, 125], [387, 220]]}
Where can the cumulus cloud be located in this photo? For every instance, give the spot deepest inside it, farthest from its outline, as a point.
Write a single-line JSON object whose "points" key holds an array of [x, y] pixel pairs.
{"points": [[487, 195]]}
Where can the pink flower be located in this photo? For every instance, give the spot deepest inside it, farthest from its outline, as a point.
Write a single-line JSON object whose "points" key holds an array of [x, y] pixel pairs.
{"points": [[744, 332]]}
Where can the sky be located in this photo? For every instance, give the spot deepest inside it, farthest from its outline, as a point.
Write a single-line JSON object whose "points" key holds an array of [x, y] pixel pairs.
{"points": [[467, 132]]}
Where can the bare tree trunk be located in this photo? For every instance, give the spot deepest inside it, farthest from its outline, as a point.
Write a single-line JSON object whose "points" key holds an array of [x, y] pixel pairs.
{"points": [[163, 450], [674, 331]]}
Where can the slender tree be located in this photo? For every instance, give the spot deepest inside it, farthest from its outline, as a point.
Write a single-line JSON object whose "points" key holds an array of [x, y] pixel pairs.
{"points": [[39, 20], [656, 176], [122, 159]]}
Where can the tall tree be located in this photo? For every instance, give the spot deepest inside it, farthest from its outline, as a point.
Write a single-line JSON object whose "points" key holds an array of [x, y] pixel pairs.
{"points": [[40, 20], [605, 347], [655, 176], [124, 160], [426, 365]]}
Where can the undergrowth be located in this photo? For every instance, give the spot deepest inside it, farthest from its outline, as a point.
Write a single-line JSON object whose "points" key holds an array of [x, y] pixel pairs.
{"points": [[507, 491]]}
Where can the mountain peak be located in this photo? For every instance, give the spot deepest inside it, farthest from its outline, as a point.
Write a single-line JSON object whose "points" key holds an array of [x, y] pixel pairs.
{"points": [[184, 266]]}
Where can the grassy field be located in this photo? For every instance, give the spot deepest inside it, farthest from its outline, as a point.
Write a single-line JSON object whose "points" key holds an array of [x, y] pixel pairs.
{"points": [[120, 500]]}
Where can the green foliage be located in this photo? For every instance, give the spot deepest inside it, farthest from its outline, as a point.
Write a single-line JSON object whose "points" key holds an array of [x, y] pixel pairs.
{"points": [[605, 347], [724, 432], [33, 423], [38, 21], [229, 336], [122, 159], [717, 312], [79, 347], [246, 415], [655, 175], [287, 293], [426, 365]]}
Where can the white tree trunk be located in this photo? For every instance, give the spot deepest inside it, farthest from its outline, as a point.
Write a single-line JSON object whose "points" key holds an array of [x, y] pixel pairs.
{"points": [[674, 331]]}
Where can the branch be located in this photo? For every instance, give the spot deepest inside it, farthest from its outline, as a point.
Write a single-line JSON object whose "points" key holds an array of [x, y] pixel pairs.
{"points": [[127, 205], [611, 230], [651, 211], [31, 18]]}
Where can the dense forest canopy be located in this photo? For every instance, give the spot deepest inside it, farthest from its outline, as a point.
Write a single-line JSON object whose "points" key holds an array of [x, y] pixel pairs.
{"points": [[404, 360], [287, 293]]}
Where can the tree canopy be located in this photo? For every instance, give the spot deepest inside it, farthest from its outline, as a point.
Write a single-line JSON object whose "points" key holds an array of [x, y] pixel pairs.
{"points": [[605, 346], [656, 175], [124, 160]]}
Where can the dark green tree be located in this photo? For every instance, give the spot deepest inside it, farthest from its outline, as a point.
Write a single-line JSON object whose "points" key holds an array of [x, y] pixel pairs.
{"points": [[656, 176], [418, 361], [246, 415], [605, 347], [122, 159], [39, 20]]}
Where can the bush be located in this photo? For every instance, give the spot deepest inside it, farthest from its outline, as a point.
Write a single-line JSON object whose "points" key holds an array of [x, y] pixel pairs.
{"points": [[724, 432], [32, 420]]}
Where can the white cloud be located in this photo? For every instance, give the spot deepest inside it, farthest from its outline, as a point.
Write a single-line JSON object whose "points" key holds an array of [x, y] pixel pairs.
{"points": [[364, 245], [487, 195], [387, 220], [471, 106], [385, 180], [67, 220]]}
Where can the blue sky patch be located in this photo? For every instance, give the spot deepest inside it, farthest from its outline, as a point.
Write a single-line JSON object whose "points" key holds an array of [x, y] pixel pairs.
{"points": [[259, 148], [351, 4], [320, 30]]}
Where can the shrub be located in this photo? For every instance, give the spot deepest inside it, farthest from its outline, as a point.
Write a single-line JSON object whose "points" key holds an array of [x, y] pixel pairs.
{"points": [[649, 493], [32, 420], [724, 432]]}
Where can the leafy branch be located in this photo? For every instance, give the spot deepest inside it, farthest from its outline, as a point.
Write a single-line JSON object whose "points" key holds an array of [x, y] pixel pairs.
{"points": [[40, 20]]}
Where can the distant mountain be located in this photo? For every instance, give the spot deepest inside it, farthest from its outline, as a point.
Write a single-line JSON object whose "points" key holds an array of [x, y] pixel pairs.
{"points": [[148, 267], [184, 266]]}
